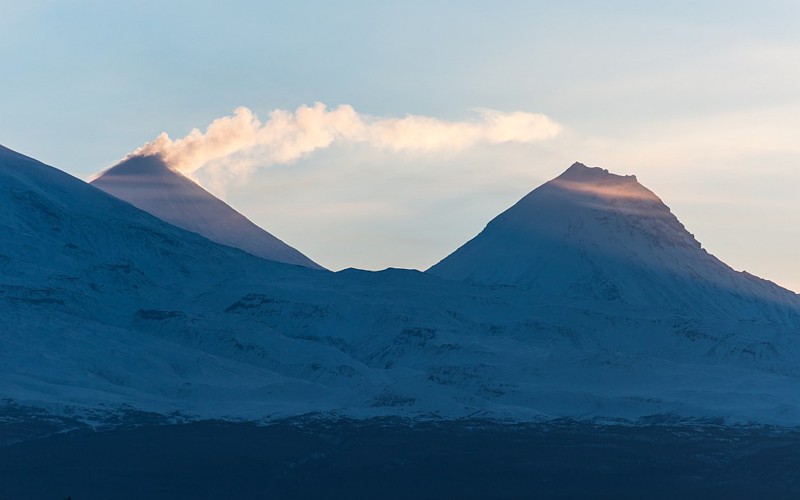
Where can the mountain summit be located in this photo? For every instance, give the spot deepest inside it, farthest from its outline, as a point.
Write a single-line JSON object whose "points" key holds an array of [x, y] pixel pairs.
{"points": [[148, 183], [591, 235]]}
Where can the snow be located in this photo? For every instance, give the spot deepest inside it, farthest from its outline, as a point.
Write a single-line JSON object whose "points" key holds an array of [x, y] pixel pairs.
{"points": [[590, 235], [105, 307], [149, 184]]}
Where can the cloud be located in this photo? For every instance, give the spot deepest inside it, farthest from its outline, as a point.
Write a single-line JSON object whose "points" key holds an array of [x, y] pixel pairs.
{"points": [[233, 145]]}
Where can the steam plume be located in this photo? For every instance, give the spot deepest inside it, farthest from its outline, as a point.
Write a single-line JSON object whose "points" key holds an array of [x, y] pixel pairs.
{"points": [[238, 142]]}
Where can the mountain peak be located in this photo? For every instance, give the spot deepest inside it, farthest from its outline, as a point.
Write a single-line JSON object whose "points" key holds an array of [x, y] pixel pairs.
{"points": [[140, 165], [582, 184], [148, 183], [592, 235], [578, 172], [579, 168]]}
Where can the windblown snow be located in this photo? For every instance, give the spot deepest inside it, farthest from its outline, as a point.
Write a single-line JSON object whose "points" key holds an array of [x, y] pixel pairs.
{"points": [[587, 299]]}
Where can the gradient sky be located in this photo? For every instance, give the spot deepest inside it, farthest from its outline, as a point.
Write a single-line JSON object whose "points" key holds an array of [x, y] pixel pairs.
{"points": [[701, 100]]}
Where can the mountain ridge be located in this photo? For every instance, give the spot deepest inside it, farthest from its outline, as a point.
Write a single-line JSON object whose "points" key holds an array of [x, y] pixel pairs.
{"points": [[108, 310]]}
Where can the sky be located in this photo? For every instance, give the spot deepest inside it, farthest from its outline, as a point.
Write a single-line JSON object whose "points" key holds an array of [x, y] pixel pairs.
{"points": [[386, 134]]}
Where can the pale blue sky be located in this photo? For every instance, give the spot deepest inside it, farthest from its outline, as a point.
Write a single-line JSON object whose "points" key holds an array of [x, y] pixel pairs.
{"points": [[700, 99]]}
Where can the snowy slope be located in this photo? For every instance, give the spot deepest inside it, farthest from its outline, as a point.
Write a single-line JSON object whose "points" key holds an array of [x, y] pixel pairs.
{"points": [[106, 308], [590, 235], [149, 184], [78, 268]]}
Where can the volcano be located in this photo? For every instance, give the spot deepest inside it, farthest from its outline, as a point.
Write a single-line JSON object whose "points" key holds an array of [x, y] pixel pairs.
{"points": [[593, 236], [149, 184], [588, 299]]}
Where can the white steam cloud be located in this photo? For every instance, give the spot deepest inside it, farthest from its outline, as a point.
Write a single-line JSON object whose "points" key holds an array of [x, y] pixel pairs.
{"points": [[241, 141]]}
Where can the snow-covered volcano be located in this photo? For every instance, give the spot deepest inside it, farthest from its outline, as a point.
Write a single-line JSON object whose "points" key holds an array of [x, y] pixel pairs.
{"points": [[150, 184], [107, 308], [590, 235]]}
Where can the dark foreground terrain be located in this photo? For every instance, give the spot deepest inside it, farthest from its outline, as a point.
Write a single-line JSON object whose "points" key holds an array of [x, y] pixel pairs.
{"points": [[312, 458]]}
